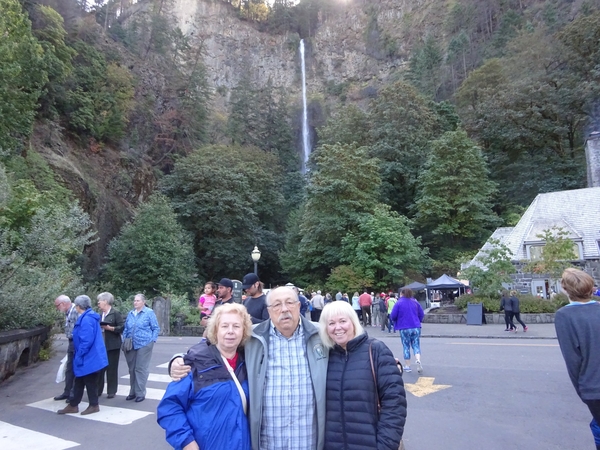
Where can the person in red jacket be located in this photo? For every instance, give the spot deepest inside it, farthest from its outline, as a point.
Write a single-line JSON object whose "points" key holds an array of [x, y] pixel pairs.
{"points": [[365, 301]]}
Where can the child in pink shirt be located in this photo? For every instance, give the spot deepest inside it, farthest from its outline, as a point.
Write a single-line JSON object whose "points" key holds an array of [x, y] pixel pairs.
{"points": [[206, 302]]}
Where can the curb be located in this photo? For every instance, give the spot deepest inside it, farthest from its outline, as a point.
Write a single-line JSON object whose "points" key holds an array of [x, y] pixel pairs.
{"points": [[486, 337]]}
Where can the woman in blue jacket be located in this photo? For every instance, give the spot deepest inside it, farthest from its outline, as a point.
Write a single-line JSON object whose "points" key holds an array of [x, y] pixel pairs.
{"points": [[366, 402], [90, 357], [207, 409], [142, 327]]}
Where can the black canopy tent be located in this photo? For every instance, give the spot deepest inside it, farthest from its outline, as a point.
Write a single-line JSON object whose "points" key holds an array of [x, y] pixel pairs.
{"points": [[446, 282], [415, 286]]}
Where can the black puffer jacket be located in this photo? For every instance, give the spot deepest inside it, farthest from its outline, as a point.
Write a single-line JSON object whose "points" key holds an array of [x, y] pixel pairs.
{"points": [[352, 422]]}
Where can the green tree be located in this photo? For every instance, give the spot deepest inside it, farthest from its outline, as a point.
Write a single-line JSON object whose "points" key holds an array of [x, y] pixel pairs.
{"points": [[48, 28], [22, 75], [99, 95], [383, 248], [342, 186], [346, 278], [153, 253], [492, 268], [453, 206], [230, 199], [37, 261], [402, 123], [557, 253], [425, 67], [533, 108], [347, 125]]}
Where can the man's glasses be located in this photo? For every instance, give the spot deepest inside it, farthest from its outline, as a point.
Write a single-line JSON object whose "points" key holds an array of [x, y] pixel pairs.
{"points": [[277, 306]]}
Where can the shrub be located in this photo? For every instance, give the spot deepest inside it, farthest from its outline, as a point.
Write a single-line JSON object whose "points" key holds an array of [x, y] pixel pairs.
{"points": [[529, 304], [180, 305]]}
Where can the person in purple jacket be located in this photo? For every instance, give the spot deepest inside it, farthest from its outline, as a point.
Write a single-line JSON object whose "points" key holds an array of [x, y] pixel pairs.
{"points": [[407, 316]]}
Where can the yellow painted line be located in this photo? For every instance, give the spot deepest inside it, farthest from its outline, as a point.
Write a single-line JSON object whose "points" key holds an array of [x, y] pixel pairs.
{"points": [[424, 386], [503, 345]]}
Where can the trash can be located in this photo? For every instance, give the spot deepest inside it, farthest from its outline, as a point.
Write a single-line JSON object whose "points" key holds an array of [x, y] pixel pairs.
{"points": [[474, 313]]}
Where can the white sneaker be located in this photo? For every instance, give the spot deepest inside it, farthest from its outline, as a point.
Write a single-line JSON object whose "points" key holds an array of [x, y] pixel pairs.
{"points": [[419, 367]]}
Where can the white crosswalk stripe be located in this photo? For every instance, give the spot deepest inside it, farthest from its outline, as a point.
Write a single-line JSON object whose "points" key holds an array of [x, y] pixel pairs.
{"points": [[18, 438], [13, 437], [155, 377], [109, 414], [151, 393]]}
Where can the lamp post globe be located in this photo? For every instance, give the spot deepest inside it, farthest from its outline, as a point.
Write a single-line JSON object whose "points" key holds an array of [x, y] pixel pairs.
{"points": [[255, 257]]}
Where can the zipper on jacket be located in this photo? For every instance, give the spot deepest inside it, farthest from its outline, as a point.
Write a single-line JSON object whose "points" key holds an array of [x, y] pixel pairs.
{"points": [[345, 440]]}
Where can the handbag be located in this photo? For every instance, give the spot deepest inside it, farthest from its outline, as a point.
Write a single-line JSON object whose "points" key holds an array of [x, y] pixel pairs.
{"points": [[401, 446], [127, 344], [62, 369]]}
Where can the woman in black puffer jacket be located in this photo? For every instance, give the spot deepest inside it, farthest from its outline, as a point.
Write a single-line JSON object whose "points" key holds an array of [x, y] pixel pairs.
{"points": [[352, 420]]}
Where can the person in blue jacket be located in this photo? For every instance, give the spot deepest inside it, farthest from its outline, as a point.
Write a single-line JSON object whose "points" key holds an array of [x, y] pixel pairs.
{"points": [[90, 357], [207, 409]]}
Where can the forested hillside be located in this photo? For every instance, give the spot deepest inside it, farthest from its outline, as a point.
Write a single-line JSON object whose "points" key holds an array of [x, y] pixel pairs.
{"points": [[149, 146]]}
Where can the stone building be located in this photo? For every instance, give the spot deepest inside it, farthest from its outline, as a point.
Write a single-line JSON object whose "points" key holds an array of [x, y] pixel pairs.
{"points": [[576, 211]]}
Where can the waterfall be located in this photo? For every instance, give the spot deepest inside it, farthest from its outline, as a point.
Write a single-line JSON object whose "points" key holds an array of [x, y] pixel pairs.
{"points": [[305, 136]]}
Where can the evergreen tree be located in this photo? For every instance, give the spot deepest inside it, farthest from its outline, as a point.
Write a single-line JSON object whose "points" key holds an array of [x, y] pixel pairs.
{"points": [[453, 207], [347, 125], [22, 75], [383, 248], [342, 187], [230, 199], [152, 254], [402, 123]]}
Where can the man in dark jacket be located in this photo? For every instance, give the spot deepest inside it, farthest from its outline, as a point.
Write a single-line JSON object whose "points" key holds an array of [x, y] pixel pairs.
{"points": [[506, 305], [255, 303]]}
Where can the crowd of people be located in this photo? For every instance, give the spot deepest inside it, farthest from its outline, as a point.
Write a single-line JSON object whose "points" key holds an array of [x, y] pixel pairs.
{"points": [[306, 375], [293, 383], [266, 376], [95, 342]]}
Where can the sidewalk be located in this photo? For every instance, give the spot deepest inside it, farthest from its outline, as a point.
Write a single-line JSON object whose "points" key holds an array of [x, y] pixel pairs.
{"points": [[491, 331]]}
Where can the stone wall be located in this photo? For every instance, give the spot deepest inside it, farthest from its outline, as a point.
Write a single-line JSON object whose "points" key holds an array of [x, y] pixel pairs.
{"points": [[522, 280], [490, 318], [20, 348]]}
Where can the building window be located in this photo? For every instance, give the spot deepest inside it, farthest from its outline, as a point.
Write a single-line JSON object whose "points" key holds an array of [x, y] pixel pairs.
{"points": [[534, 252]]}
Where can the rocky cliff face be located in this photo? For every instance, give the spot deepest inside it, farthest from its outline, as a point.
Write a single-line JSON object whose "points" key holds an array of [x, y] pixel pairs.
{"points": [[362, 43]]}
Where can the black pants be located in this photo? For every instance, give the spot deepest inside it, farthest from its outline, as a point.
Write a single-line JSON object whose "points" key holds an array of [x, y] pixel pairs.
{"points": [[90, 382], [518, 317], [69, 375], [315, 314], [508, 319], [366, 315], [594, 407], [112, 373]]}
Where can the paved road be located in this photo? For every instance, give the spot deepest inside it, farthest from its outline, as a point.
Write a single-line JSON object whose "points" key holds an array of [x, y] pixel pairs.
{"points": [[505, 393]]}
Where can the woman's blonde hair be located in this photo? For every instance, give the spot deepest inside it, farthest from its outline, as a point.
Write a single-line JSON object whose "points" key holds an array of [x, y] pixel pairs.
{"points": [[578, 285], [215, 319], [337, 308]]}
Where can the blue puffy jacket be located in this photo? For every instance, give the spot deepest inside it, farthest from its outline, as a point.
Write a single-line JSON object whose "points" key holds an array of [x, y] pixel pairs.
{"points": [[206, 405], [90, 352], [352, 421]]}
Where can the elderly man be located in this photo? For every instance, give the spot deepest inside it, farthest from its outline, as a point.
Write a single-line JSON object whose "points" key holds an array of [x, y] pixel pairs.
{"points": [[287, 370], [64, 305]]}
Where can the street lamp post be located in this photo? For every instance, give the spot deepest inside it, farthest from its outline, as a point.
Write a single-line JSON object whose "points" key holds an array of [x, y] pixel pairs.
{"points": [[255, 257]]}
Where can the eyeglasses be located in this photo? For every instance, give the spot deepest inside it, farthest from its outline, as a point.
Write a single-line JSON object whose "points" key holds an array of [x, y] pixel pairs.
{"points": [[277, 306]]}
